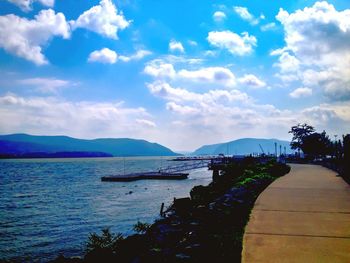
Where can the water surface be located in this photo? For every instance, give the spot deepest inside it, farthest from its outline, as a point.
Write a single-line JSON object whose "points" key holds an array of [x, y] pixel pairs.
{"points": [[49, 206]]}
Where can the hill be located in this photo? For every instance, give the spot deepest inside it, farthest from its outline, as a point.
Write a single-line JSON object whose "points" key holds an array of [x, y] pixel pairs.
{"points": [[243, 147], [24, 144]]}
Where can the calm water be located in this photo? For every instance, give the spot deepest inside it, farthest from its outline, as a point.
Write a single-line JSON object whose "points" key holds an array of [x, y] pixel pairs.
{"points": [[49, 206]]}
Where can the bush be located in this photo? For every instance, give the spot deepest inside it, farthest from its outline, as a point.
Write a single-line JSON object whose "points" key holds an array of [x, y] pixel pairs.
{"points": [[105, 241], [141, 228]]}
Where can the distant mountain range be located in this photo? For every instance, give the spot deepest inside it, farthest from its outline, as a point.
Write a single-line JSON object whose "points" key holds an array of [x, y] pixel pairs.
{"points": [[24, 145], [243, 147], [31, 146]]}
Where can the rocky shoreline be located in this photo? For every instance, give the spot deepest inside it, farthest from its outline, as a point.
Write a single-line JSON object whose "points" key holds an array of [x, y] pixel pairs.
{"points": [[208, 226]]}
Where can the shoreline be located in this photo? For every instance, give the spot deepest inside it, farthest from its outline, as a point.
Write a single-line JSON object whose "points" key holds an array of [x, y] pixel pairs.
{"points": [[212, 219]]}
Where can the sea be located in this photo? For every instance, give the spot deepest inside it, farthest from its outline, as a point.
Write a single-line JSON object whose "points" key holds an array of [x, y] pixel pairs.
{"points": [[49, 207]]}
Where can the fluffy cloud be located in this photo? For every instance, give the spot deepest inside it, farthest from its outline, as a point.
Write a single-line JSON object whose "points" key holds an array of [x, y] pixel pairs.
{"points": [[140, 54], [25, 38], [159, 69], [251, 81], [80, 119], [183, 110], [234, 43], [300, 93], [46, 85], [176, 46], [219, 16], [317, 40], [105, 55], [335, 83], [209, 117], [216, 75], [26, 5], [180, 95], [103, 19], [287, 62], [334, 118], [243, 12], [212, 116]]}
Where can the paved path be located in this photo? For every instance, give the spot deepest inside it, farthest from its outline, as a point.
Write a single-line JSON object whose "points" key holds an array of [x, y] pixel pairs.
{"points": [[301, 217]]}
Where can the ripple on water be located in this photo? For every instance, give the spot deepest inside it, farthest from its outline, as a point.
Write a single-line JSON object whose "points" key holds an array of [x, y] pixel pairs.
{"points": [[49, 206]]}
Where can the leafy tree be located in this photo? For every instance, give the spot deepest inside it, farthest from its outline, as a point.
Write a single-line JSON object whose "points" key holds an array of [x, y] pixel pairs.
{"points": [[316, 145], [300, 132]]}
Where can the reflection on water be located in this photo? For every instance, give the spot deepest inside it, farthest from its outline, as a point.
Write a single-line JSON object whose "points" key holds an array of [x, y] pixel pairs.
{"points": [[49, 206]]}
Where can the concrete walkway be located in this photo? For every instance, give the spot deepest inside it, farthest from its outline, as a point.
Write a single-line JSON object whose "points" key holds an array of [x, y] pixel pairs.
{"points": [[301, 217]]}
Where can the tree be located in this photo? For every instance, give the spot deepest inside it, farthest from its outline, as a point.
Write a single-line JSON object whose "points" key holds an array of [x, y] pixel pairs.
{"points": [[316, 145], [300, 132]]}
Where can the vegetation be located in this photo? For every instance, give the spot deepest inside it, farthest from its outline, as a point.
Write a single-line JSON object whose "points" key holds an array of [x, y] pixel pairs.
{"points": [[313, 144], [141, 227], [320, 148], [105, 244]]}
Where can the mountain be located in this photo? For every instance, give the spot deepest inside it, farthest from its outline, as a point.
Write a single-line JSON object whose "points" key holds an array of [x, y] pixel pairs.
{"points": [[243, 147], [23, 144]]}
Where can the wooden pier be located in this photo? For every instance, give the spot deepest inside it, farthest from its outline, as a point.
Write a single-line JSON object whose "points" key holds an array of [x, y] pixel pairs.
{"points": [[176, 172], [147, 175]]}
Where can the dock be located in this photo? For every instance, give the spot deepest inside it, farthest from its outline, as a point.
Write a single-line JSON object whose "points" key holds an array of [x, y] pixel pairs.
{"points": [[146, 175], [176, 172]]}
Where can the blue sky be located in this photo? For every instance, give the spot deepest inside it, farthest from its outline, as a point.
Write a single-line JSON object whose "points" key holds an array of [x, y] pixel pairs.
{"points": [[179, 73]]}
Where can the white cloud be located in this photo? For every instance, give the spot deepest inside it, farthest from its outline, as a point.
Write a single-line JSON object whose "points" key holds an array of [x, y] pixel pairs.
{"points": [[251, 81], [46, 85], [317, 37], [26, 5], [268, 27], [192, 43], [180, 59], [210, 53], [146, 123], [183, 110], [219, 16], [301, 93], [243, 12], [140, 54], [335, 84], [105, 55], [216, 75], [82, 119], [209, 117], [180, 95], [160, 69], [103, 19], [25, 38], [287, 63], [334, 118], [287, 78], [176, 46], [234, 43]]}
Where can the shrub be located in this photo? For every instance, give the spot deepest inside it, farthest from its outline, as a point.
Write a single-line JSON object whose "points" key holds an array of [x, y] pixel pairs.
{"points": [[105, 241], [141, 228]]}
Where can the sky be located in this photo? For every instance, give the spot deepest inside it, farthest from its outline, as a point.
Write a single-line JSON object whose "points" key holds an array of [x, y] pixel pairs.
{"points": [[182, 73]]}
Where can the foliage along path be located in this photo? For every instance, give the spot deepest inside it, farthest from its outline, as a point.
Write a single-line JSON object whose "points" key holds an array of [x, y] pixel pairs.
{"points": [[301, 217]]}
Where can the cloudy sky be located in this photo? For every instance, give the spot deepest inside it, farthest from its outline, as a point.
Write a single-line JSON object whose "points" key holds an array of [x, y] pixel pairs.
{"points": [[179, 72]]}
